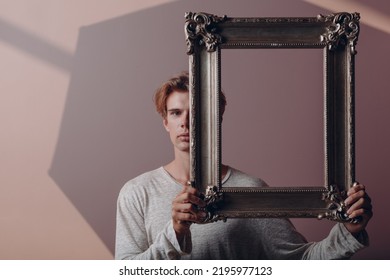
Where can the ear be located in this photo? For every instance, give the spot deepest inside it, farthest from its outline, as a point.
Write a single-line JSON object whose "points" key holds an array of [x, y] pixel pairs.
{"points": [[165, 123]]}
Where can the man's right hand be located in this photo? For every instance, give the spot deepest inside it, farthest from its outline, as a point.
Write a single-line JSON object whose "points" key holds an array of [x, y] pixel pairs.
{"points": [[185, 211]]}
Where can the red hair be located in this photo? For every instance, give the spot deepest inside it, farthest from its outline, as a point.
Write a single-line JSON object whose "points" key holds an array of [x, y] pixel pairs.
{"points": [[179, 83]]}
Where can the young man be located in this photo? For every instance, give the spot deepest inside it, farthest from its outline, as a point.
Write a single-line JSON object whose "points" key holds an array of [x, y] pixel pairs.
{"points": [[157, 211]]}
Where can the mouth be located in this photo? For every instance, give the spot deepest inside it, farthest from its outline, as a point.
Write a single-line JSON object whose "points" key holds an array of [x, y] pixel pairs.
{"points": [[184, 137]]}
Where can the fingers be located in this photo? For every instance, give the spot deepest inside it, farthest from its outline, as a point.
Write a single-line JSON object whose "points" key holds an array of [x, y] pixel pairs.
{"points": [[189, 195], [358, 202], [185, 208], [186, 212], [359, 205], [356, 193], [186, 218]]}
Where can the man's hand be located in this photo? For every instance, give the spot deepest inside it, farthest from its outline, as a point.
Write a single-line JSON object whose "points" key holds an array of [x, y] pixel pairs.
{"points": [[185, 211], [359, 205]]}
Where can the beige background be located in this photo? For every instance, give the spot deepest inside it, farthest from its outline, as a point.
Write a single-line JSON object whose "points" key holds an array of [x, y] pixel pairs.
{"points": [[77, 119]]}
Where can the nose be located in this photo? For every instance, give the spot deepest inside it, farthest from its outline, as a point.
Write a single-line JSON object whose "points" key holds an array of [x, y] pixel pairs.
{"points": [[185, 121]]}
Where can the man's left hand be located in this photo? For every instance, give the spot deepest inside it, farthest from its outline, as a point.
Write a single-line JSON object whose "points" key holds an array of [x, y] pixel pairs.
{"points": [[359, 205]]}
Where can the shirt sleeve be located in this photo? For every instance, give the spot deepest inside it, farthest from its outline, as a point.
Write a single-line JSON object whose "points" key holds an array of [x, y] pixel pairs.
{"points": [[339, 244], [131, 236], [284, 242]]}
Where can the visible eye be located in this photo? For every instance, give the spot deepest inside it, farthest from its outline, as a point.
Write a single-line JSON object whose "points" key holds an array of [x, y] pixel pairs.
{"points": [[175, 113]]}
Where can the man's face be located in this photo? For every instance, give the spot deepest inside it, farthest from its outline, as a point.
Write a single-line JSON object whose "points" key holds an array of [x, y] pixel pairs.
{"points": [[177, 120]]}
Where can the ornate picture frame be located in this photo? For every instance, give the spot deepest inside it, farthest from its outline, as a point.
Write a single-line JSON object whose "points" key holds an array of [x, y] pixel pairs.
{"points": [[337, 35]]}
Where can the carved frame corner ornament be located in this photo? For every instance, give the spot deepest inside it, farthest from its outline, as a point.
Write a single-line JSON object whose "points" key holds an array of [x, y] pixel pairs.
{"points": [[338, 210], [201, 28], [213, 198], [206, 36], [343, 30]]}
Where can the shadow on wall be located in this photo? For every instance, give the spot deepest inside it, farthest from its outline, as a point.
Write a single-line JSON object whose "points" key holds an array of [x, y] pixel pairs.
{"points": [[35, 45], [109, 132]]}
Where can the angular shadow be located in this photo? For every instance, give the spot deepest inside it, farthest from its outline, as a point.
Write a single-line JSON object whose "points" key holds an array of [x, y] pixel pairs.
{"points": [[109, 132]]}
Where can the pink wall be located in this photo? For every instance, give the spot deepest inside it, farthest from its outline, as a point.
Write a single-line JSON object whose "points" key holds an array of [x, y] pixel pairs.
{"points": [[103, 129]]}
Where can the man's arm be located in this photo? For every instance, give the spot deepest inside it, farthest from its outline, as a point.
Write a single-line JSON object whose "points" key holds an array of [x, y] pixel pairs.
{"points": [[346, 239], [281, 241], [185, 212], [132, 241]]}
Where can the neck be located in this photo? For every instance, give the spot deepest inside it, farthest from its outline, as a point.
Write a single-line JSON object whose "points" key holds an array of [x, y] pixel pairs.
{"points": [[179, 168]]}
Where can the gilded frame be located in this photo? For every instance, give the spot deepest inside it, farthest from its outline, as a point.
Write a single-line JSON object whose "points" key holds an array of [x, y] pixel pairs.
{"points": [[336, 34]]}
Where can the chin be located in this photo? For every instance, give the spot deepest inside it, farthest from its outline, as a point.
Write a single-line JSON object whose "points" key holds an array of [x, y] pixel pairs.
{"points": [[183, 148]]}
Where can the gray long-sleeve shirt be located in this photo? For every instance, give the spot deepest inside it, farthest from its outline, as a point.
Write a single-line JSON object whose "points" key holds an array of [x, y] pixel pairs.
{"points": [[145, 231]]}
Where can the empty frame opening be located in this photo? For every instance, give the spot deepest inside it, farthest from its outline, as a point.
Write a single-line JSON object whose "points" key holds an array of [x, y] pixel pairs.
{"points": [[273, 126]]}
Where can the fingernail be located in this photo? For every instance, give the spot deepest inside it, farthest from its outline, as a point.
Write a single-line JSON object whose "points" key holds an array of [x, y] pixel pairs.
{"points": [[356, 184]]}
